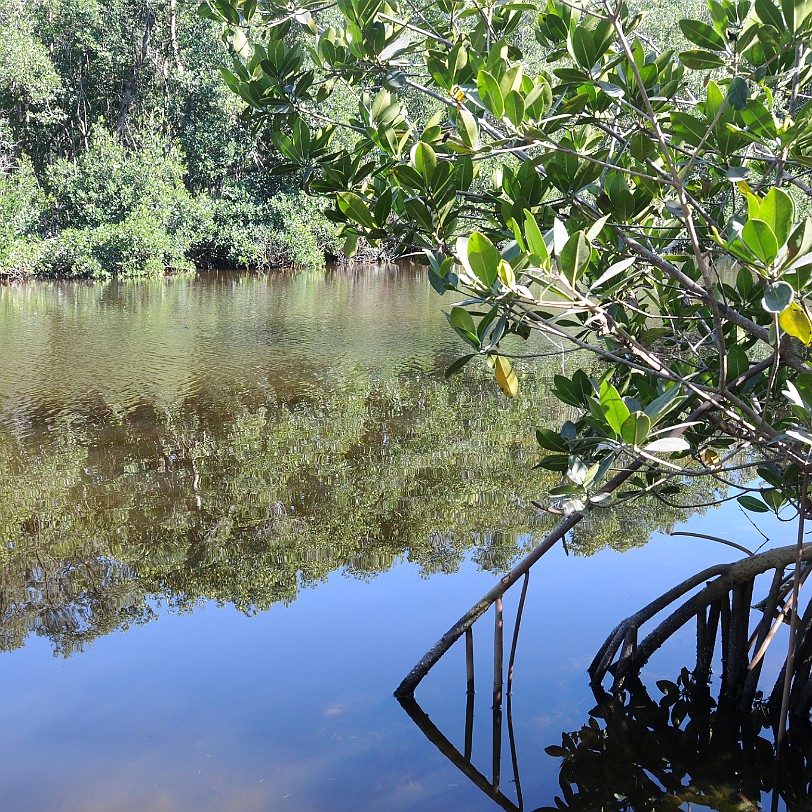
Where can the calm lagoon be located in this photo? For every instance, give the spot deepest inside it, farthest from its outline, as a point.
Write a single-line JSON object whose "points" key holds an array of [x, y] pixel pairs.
{"points": [[236, 509]]}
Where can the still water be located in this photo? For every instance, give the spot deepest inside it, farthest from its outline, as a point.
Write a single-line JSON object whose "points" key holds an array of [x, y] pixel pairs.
{"points": [[235, 510]]}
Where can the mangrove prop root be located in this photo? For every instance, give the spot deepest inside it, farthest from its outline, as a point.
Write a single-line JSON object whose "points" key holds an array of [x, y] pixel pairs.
{"points": [[727, 587], [431, 657]]}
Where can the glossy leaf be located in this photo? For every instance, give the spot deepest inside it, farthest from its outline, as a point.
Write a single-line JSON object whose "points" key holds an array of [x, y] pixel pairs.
{"points": [[702, 34], [635, 428], [778, 211], [424, 159], [490, 93], [752, 504], [778, 297], [514, 108], [760, 239], [355, 208], [551, 441], [483, 258], [575, 256], [614, 409], [505, 376], [795, 322]]}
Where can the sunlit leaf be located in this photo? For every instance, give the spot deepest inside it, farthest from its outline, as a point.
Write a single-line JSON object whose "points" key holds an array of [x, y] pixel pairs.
{"points": [[702, 34], [668, 445], [760, 239], [635, 428], [794, 320], [614, 409], [355, 208], [505, 376], [483, 258]]}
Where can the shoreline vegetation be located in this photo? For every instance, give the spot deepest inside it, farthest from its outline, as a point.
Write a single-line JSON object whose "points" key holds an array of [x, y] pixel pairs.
{"points": [[122, 151]]}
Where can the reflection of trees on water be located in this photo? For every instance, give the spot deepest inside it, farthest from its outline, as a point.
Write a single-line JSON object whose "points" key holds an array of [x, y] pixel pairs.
{"points": [[680, 747], [213, 500]]}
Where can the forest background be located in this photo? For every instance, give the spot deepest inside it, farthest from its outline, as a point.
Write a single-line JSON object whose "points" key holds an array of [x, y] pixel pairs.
{"points": [[122, 151]]}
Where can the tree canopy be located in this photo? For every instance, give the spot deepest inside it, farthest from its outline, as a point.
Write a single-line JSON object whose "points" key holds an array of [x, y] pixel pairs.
{"points": [[121, 150], [640, 204]]}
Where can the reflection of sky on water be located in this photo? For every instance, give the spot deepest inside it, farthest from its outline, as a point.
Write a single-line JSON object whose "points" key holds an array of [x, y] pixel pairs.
{"points": [[292, 709]]}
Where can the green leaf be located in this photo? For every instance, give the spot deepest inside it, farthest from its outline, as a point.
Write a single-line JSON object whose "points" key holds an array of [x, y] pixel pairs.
{"points": [[490, 93], [514, 108], [759, 120], [614, 409], [769, 14], [583, 47], [760, 239], [778, 211], [483, 258], [800, 241], [355, 208], [551, 441], [458, 365], [688, 128], [512, 80], [635, 428], [737, 94], [574, 392], [612, 271], [534, 237], [539, 99], [701, 60], [459, 317], [469, 131], [424, 160], [554, 462], [737, 362], [752, 504], [350, 247], [778, 297], [419, 213], [575, 256], [702, 34]]}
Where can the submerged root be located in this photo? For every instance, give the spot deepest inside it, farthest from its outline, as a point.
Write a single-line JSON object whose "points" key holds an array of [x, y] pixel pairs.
{"points": [[722, 607]]}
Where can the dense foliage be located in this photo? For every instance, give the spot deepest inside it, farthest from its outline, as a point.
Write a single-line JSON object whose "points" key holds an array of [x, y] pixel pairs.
{"points": [[633, 202], [639, 204], [122, 151]]}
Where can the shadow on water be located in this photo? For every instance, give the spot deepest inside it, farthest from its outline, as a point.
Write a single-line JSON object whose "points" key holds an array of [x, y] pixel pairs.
{"points": [[694, 742]]}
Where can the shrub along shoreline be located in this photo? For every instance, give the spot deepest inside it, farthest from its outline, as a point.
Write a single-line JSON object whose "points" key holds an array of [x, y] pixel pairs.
{"points": [[122, 152]]}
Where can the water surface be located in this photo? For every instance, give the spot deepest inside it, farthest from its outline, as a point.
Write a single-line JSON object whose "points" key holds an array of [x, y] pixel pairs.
{"points": [[234, 511]]}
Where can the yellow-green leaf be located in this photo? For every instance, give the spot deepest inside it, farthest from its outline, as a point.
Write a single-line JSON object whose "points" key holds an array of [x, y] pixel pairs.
{"points": [[505, 376], [794, 321]]}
